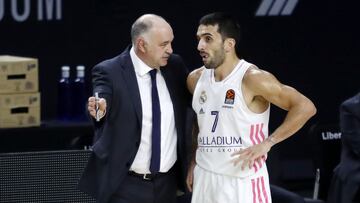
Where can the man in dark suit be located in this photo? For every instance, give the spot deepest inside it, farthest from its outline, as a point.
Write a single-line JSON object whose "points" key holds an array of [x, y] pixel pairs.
{"points": [[139, 145], [346, 180]]}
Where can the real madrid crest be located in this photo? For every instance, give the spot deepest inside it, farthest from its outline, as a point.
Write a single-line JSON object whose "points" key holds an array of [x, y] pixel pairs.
{"points": [[203, 97]]}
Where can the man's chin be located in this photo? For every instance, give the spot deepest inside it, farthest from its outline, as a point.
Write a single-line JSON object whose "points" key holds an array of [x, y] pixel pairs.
{"points": [[164, 63], [207, 66]]}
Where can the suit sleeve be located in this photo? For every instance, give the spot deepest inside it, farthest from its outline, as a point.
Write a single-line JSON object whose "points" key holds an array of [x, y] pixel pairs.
{"points": [[101, 82], [350, 125]]}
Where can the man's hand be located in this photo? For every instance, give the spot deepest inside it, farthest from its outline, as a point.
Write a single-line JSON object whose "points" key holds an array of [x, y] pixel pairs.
{"points": [[92, 107], [190, 176], [252, 154]]}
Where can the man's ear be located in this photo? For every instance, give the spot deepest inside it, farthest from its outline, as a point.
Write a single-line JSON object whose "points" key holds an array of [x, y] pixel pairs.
{"points": [[141, 44], [229, 44]]}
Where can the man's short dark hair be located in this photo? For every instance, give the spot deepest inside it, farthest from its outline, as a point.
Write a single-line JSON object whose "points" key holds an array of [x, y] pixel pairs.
{"points": [[228, 26]]}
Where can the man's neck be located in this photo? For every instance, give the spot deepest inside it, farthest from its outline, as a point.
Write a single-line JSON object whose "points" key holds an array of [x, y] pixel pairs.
{"points": [[226, 68]]}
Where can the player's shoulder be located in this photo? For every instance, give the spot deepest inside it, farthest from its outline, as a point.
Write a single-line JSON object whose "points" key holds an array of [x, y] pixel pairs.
{"points": [[260, 82], [256, 75], [196, 73], [193, 77]]}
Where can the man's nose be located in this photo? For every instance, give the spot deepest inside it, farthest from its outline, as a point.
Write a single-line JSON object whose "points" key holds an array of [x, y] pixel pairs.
{"points": [[200, 45], [169, 49]]}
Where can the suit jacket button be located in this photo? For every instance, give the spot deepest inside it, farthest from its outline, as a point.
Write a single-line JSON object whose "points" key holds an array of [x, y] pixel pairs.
{"points": [[127, 164], [137, 144]]}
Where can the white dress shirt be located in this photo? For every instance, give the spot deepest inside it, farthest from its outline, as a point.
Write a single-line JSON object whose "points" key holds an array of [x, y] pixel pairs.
{"points": [[168, 155]]}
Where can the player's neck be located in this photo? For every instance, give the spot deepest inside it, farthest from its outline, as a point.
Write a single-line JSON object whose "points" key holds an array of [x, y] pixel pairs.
{"points": [[226, 68]]}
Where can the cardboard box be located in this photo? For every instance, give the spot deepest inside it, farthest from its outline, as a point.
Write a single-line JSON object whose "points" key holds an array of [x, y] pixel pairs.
{"points": [[19, 110], [18, 74]]}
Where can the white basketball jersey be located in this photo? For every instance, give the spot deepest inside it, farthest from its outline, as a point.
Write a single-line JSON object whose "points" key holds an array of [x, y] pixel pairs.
{"points": [[225, 122]]}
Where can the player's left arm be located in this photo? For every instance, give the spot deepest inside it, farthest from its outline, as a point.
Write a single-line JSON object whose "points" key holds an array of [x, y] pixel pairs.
{"points": [[300, 109]]}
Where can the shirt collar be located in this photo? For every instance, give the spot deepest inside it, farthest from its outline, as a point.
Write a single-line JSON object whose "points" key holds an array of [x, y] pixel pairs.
{"points": [[140, 67]]}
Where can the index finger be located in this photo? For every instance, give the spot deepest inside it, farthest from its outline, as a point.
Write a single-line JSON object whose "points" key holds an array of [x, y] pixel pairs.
{"points": [[240, 152]]}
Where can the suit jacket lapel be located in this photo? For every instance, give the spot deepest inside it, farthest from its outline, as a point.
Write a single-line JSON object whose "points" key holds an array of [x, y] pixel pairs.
{"points": [[132, 85]]}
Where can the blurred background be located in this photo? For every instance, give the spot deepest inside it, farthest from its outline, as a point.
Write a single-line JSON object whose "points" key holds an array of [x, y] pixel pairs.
{"points": [[310, 45]]}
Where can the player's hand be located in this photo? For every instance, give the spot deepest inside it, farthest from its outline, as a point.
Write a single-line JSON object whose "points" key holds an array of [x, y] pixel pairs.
{"points": [[190, 176], [92, 107], [251, 154]]}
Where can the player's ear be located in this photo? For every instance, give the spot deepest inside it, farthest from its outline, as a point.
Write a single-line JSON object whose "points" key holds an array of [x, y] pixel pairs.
{"points": [[229, 44]]}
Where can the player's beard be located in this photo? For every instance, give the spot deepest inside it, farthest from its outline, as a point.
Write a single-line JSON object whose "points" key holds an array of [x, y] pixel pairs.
{"points": [[216, 60]]}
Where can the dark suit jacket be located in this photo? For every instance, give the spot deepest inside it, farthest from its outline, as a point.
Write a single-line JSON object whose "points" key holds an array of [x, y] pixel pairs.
{"points": [[117, 135], [346, 179]]}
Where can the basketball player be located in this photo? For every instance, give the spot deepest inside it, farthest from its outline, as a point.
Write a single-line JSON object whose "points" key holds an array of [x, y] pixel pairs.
{"points": [[232, 100]]}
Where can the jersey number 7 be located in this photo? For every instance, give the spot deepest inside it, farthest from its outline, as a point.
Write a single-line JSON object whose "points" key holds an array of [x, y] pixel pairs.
{"points": [[216, 114]]}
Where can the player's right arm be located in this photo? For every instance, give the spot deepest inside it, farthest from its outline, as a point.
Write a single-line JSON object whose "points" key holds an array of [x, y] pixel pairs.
{"points": [[191, 81], [193, 78]]}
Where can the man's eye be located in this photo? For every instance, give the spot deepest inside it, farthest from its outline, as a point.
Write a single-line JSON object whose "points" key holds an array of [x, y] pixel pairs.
{"points": [[208, 39]]}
